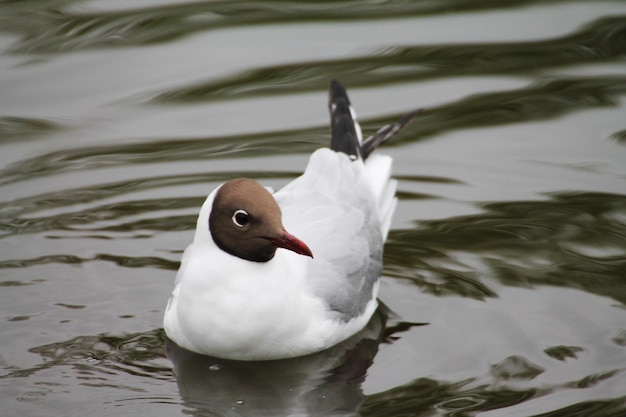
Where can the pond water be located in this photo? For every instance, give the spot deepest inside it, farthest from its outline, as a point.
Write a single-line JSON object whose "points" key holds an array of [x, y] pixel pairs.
{"points": [[505, 270]]}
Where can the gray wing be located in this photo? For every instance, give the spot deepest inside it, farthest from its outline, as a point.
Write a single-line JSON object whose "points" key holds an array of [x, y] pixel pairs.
{"points": [[331, 208]]}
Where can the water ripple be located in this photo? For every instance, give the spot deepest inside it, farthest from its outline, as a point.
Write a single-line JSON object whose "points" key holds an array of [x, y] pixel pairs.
{"points": [[544, 100], [601, 41], [80, 159], [137, 354], [522, 244], [120, 260], [52, 29], [17, 128], [80, 220]]}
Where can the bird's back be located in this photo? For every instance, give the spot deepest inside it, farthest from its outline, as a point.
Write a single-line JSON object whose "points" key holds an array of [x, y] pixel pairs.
{"points": [[342, 207]]}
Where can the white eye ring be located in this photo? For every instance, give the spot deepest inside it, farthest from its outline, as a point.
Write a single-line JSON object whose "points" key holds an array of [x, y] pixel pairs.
{"points": [[240, 218]]}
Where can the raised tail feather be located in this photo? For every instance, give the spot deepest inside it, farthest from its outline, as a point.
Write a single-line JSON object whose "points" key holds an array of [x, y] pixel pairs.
{"points": [[346, 135], [385, 133], [345, 131]]}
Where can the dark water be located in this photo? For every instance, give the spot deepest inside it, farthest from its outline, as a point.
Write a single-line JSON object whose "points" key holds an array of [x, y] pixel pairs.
{"points": [[505, 271]]}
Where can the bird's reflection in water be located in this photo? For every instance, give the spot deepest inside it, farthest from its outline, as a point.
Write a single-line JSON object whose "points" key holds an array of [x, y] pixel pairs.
{"points": [[327, 383]]}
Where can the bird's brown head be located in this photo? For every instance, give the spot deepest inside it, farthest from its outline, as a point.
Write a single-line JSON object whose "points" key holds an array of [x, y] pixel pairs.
{"points": [[246, 222]]}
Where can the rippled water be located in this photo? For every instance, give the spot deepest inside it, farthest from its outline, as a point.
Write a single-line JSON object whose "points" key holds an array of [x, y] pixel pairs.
{"points": [[505, 271]]}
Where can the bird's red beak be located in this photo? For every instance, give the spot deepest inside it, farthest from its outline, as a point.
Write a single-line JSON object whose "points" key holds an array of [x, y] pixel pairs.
{"points": [[292, 243]]}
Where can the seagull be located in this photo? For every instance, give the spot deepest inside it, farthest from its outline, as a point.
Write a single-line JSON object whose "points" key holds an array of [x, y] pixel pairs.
{"points": [[249, 289]]}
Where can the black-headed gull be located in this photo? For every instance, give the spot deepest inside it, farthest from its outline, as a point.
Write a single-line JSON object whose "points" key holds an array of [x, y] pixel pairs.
{"points": [[237, 296]]}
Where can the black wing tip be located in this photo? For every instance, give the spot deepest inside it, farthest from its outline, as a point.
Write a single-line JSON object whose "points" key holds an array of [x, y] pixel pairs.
{"points": [[343, 127], [337, 92], [408, 118], [387, 132], [343, 132], [344, 137]]}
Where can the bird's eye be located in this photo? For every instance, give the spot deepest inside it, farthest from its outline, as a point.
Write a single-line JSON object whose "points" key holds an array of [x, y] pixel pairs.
{"points": [[240, 218]]}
